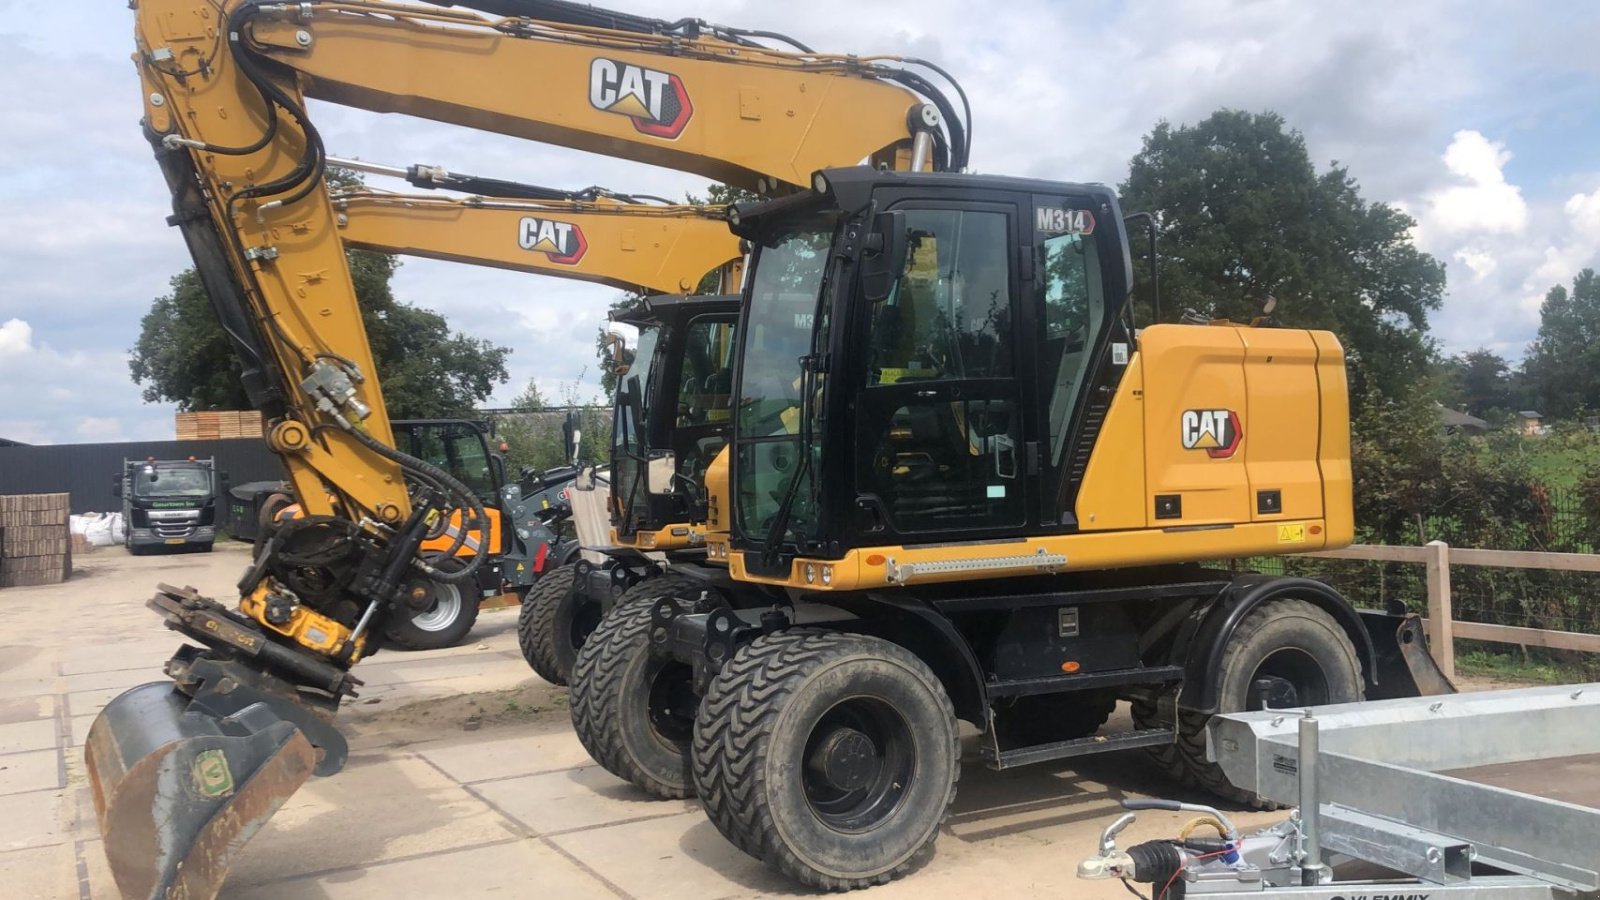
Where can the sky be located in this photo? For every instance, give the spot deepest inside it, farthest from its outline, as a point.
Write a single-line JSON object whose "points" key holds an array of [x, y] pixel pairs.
{"points": [[1480, 119]]}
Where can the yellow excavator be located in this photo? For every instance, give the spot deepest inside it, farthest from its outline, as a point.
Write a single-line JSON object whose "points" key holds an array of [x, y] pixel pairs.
{"points": [[184, 771], [644, 245]]}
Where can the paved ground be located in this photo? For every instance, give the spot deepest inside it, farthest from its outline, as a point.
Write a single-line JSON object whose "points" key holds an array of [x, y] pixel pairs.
{"points": [[429, 808]]}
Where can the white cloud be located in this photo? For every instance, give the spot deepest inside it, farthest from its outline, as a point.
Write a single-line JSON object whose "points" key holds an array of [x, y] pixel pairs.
{"points": [[100, 428], [1480, 262], [16, 338], [1485, 203]]}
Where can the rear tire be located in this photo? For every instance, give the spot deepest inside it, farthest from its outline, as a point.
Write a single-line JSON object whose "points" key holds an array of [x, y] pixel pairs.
{"points": [[1292, 645], [445, 623], [634, 713], [832, 757], [553, 624]]}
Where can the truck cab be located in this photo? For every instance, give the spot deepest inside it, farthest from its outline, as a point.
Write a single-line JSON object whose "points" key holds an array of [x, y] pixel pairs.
{"points": [[169, 503]]}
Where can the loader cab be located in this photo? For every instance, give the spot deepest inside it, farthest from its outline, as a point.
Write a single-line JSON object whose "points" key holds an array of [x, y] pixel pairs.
{"points": [[939, 350], [672, 409], [459, 447]]}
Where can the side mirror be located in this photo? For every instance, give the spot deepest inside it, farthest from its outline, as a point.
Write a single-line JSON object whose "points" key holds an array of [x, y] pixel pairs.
{"points": [[572, 433], [116, 486], [621, 358], [225, 481], [585, 479], [883, 256]]}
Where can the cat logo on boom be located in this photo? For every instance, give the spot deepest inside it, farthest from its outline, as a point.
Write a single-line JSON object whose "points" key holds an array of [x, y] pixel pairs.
{"points": [[562, 242], [656, 101], [1216, 431]]}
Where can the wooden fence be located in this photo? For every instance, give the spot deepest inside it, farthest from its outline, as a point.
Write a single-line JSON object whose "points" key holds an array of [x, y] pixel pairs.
{"points": [[1442, 627]]}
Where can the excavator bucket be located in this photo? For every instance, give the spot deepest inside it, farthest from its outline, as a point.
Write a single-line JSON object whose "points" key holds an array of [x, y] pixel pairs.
{"points": [[179, 789]]}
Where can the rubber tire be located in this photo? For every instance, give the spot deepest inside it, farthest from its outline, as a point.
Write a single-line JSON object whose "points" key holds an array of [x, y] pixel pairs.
{"points": [[403, 635], [544, 625], [1273, 626], [765, 701], [1047, 718], [267, 515], [610, 693]]}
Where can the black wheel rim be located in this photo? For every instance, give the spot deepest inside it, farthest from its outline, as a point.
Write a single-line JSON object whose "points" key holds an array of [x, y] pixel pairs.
{"points": [[1286, 679], [858, 765], [673, 704]]}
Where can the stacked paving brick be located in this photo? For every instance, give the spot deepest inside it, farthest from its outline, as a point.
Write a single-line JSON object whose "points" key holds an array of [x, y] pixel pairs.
{"points": [[216, 424], [35, 541]]}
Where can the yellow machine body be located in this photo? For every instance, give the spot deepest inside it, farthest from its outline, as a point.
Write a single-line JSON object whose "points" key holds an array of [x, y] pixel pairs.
{"points": [[1220, 442]]}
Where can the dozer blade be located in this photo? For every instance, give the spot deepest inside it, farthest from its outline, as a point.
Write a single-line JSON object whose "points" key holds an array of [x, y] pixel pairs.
{"points": [[179, 790]]}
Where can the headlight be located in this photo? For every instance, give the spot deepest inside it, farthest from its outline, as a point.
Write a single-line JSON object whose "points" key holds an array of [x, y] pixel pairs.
{"points": [[827, 575], [811, 574]]}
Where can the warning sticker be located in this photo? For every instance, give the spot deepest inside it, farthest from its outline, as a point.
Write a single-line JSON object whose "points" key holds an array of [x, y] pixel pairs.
{"points": [[1292, 534]]}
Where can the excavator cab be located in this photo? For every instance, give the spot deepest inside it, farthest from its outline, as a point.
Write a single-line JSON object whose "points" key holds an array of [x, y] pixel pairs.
{"points": [[671, 415]]}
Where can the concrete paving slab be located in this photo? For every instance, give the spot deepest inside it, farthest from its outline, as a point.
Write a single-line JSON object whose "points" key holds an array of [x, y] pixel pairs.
{"points": [[35, 734], [575, 798], [682, 856], [469, 761], [35, 770], [114, 678], [517, 868], [28, 688], [379, 808], [32, 820], [80, 728], [39, 873], [26, 709]]}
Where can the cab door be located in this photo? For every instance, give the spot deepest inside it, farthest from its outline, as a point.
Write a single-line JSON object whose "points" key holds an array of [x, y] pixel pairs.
{"points": [[939, 414]]}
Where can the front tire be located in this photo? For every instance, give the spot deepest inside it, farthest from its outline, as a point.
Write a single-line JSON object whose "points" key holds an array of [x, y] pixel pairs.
{"points": [[554, 623], [632, 711], [832, 757], [445, 623]]}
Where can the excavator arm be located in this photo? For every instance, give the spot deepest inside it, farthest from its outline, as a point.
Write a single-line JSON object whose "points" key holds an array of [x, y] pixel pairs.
{"points": [[185, 771], [643, 247]]}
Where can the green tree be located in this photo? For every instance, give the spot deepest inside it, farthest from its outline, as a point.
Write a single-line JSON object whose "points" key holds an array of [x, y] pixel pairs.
{"points": [[426, 371], [1243, 215], [1480, 381], [1563, 364]]}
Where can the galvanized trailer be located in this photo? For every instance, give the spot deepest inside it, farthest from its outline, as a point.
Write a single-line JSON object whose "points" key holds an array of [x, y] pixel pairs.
{"points": [[1490, 796]]}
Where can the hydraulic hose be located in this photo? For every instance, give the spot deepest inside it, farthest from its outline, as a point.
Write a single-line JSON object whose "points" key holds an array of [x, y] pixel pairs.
{"points": [[470, 503]]}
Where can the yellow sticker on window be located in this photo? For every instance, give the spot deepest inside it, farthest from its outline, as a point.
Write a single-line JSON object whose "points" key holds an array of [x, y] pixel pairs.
{"points": [[1292, 534]]}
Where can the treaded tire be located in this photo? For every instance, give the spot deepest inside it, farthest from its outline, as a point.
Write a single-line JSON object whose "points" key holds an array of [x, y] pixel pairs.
{"points": [[611, 683], [404, 634], [751, 742], [545, 623], [1275, 626]]}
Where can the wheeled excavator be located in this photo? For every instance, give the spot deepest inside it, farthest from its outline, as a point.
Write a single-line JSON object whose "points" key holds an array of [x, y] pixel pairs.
{"points": [[184, 771]]}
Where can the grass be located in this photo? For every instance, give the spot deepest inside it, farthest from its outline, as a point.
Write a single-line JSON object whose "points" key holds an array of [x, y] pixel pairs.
{"points": [[1515, 666]]}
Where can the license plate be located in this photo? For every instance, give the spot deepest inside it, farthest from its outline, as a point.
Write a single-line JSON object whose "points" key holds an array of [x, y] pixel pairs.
{"points": [[174, 540]]}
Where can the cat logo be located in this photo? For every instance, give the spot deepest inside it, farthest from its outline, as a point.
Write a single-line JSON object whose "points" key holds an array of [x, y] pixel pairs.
{"points": [[562, 242], [1216, 431], [656, 101]]}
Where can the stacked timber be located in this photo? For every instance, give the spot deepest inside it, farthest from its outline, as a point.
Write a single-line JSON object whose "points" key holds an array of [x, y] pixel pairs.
{"points": [[35, 541], [216, 424]]}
